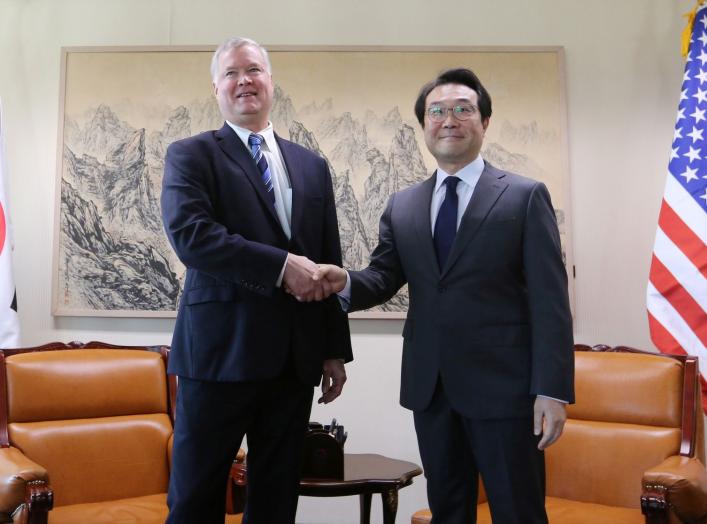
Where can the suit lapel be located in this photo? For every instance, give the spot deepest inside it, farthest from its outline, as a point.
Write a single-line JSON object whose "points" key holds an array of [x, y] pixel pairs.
{"points": [[423, 226], [486, 193], [232, 146]]}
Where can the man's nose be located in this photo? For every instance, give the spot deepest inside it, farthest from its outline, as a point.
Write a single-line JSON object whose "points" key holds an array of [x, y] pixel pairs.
{"points": [[244, 79], [450, 120]]}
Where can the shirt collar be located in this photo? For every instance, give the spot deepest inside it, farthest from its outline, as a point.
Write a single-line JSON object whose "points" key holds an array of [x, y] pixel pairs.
{"points": [[268, 135], [468, 174]]}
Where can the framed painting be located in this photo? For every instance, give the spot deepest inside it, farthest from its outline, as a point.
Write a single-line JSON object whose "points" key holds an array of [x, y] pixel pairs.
{"points": [[121, 107]]}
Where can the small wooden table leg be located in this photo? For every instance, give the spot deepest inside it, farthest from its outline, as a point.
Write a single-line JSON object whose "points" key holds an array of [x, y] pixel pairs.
{"points": [[390, 505], [364, 500]]}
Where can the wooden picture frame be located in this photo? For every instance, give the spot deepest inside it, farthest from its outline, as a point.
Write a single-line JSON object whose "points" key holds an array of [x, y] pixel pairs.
{"points": [[121, 106]]}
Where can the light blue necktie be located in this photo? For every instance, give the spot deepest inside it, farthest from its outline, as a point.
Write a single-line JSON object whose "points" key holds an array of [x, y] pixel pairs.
{"points": [[446, 224], [255, 141]]}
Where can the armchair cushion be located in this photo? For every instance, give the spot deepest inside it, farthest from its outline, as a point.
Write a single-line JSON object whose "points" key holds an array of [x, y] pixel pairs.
{"points": [[560, 511], [91, 460], [611, 387], [580, 469], [71, 384], [150, 509]]}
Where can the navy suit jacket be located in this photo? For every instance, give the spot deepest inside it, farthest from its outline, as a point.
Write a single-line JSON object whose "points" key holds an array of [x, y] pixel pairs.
{"points": [[494, 323], [233, 323]]}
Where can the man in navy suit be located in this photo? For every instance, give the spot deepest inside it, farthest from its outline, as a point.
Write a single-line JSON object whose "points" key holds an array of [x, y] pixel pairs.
{"points": [[248, 214], [487, 362]]}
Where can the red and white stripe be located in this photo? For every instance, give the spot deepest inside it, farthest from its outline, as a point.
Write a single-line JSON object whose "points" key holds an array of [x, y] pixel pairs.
{"points": [[677, 288]]}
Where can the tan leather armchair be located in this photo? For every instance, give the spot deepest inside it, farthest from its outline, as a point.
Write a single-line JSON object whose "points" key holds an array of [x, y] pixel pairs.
{"points": [[86, 434], [632, 451]]}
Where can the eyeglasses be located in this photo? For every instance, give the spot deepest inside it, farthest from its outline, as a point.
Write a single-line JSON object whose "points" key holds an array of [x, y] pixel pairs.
{"points": [[460, 112]]}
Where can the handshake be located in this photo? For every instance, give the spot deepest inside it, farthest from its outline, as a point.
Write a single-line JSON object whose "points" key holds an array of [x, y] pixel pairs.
{"points": [[308, 281]]}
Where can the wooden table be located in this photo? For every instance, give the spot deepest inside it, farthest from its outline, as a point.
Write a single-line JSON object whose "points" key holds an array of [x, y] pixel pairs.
{"points": [[364, 475]]}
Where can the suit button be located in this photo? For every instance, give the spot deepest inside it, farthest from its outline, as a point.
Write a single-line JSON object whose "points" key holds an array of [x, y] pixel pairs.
{"points": [[441, 289]]}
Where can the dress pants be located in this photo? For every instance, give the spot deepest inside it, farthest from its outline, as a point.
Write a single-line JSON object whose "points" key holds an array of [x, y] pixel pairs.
{"points": [[211, 420], [455, 449]]}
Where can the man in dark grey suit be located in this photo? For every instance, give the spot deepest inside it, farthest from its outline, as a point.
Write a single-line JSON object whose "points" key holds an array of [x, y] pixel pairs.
{"points": [[487, 361]]}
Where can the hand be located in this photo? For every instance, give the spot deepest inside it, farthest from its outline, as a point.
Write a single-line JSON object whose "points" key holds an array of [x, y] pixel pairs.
{"points": [[549, 416], [297, 280], [334, 275], [333, 379]]}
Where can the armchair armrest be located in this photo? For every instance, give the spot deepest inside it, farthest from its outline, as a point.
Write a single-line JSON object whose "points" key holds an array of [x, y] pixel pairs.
{"points": [[22, 481], [679, 485]]}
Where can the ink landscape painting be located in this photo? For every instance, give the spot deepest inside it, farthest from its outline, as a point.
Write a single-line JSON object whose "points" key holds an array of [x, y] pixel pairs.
{"points": [[122, 107]]}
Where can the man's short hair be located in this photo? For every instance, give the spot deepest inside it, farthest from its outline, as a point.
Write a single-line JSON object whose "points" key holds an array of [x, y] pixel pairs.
{"points": [[233, 43], [457, 75]]}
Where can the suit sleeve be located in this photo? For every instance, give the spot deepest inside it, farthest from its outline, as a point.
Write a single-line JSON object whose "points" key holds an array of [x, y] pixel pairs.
{"points": [[548, 301], [337, 324], [200, 241], [384, 275]]}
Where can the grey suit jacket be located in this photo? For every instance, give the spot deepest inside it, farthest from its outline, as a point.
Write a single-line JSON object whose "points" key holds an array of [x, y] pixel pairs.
{"points": [[494, 325]]}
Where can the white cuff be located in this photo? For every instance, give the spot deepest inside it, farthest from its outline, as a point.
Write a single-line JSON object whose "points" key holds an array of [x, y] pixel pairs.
{"points": [[282, 272], [553, 398]]}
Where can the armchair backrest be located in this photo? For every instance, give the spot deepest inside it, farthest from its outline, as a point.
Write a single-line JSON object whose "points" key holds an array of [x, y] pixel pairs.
{"points": [[97, 417], [633, 410]]}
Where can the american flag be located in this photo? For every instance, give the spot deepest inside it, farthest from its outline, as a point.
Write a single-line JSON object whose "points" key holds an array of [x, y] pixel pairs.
{"points": [[677, 287]]}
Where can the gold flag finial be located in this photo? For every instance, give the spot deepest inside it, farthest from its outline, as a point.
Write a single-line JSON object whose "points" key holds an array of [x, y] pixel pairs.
{"points": [[687, 32]]}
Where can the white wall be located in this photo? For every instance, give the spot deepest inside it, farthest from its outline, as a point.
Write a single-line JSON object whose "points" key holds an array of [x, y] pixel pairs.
{"points": [[623, 82]]}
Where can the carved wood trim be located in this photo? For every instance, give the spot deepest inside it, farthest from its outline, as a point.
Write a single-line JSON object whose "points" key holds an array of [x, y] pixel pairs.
{"points": [[94, 344]]}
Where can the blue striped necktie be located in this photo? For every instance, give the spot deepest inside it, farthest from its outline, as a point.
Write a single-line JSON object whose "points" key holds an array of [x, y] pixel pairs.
{"points": [[255, 141], [446, 224]]}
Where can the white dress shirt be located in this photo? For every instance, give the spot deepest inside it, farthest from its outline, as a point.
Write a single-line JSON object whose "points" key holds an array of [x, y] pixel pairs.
{"points": [[280, 179], [468, 177]]}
